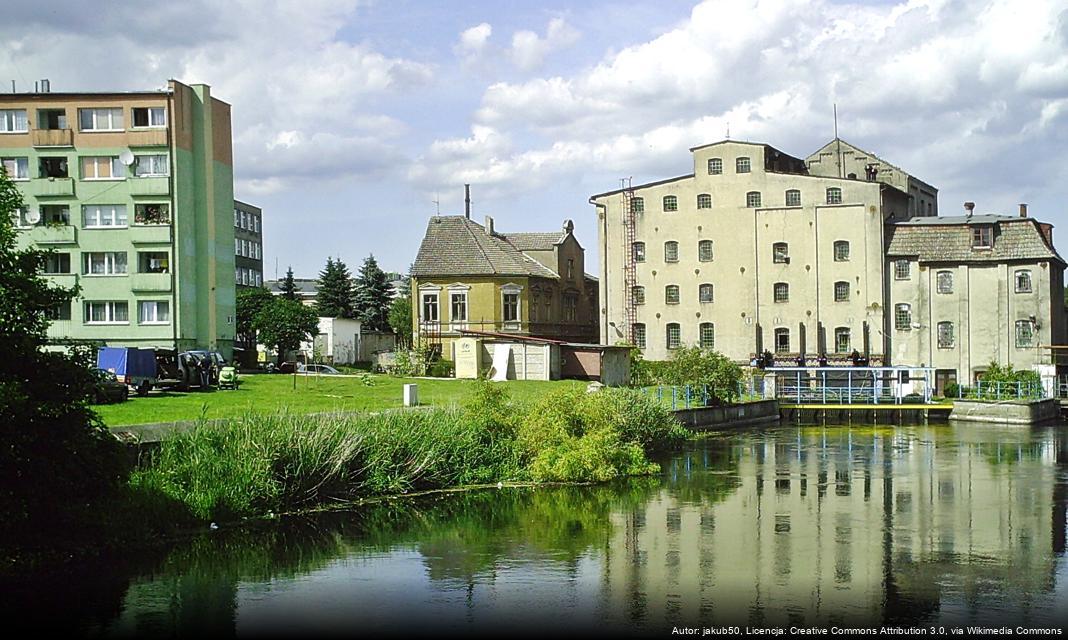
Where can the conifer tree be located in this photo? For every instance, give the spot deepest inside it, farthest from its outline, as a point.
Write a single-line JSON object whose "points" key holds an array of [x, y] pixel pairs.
{"points": [[335, 296], [289, 288], [373, 296]]}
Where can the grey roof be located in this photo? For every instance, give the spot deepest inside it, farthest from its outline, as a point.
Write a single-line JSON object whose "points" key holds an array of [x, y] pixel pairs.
{"points": [[305, 286], [455, 245], [949, 239], [536, 241]]}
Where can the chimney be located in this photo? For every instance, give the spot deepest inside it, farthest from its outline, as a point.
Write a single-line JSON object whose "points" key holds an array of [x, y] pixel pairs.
{"points": [[467, 201], [1023, 209], [46, 86], [489, 226], [969, 207]]}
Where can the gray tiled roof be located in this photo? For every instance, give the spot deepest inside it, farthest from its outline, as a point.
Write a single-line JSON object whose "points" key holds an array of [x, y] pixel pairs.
{"points": [[454, 245], [949, 239], [535, 241]]}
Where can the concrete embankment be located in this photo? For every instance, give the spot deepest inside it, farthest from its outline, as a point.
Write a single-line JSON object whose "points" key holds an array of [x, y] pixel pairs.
{"points": [[738, 415], [1007, 412]]}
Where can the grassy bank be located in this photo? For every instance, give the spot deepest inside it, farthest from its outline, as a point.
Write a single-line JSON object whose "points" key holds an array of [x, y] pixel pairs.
{"points": [[271, 394], [261, 464]]}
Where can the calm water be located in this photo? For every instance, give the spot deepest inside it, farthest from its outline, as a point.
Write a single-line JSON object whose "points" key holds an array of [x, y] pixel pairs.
{"points": [[936, 525]]}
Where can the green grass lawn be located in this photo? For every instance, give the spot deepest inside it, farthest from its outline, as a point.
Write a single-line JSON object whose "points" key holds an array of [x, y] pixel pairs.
{"points": [[267, 393]]}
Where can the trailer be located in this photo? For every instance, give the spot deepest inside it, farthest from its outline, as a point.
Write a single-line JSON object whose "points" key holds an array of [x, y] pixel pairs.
{"points": [[132, 366]]}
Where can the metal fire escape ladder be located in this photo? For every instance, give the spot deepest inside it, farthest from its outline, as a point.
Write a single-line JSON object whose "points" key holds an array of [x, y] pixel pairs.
{"points": [[630, 275]]}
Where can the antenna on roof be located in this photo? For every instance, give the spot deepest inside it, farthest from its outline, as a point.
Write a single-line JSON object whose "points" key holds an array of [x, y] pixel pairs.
{"points": [[437, 202]]}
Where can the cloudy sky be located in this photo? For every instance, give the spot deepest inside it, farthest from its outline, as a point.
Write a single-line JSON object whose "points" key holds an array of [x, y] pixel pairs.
{"points": [[352, 117]]}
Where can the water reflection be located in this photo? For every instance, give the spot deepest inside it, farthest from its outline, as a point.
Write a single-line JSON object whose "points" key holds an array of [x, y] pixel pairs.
{"points": [[940, 524]]}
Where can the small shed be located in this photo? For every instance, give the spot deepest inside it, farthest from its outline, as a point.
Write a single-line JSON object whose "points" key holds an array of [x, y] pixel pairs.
{"points": [[532, 358], [606, 364]]}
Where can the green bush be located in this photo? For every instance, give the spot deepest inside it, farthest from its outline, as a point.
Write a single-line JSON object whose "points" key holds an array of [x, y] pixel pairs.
{"points": [[690, 366], [951, 390], [441, 368]]}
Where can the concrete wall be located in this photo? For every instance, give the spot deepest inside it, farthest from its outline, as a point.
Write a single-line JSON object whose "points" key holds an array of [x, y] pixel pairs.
{"points": [[738, 415], [1034, 412]]}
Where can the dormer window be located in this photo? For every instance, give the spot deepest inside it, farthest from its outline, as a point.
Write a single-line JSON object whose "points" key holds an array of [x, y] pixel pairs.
{"points": [[982, 237]]}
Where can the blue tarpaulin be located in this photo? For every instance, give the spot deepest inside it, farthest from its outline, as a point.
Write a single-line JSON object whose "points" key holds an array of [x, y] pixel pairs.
{"points": [[129, 364]]}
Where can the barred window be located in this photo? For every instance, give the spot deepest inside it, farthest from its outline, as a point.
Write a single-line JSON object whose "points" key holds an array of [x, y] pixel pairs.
{"points": [[793, 198], [637, 296], [752, 199], [1023, 281], [704, 201], [638, 250], [671, 294], [834, 195], [671, 203], [705, 292], [944, 282], [708, 335], [841, 291], [741, 165], [639, 335], [782, 340], [902, 316], [704, 251], [1025, 334], [674, 335], [841, 340], [841, 250], [715, 166], [901, 269], [637, 205], [946, 338], [782, 292], [671, 251]]}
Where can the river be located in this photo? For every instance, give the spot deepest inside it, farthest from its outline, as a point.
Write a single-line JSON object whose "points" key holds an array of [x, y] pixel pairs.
{"points": [[940, 525]]}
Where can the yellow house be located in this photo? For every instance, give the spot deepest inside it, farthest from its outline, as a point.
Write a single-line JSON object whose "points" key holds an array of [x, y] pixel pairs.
{"points": [[469, 277]]}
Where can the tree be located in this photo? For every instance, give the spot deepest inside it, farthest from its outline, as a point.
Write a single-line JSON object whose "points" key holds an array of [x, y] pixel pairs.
{"points": [[400, 320], [284, 324], [373, 296], [56, 457], [335, 296], [289, 288], [249, 302]]}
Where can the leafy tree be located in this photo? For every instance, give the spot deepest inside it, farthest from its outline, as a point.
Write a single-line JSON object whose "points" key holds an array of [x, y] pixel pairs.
{"points": [[289, 288], [373, 296], [336, 293], [56, 457], [284, 324], [400, 319], [696, 366], [249, 302]]}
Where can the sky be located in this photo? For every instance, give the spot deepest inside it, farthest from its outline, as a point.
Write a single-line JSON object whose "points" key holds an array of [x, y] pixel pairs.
{"points": [[356, 120]]}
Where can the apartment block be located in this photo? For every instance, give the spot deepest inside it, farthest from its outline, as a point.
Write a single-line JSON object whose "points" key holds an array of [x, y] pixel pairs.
{"points": [[133, 191], [248, 245]]}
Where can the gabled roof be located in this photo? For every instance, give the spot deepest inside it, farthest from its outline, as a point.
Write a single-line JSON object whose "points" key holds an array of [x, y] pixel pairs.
{"points": [[455, 245], [949, 239], [536, 241]]}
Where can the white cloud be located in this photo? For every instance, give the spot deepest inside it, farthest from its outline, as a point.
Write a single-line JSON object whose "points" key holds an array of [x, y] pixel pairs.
{"points": [[473, 43], [530, 50]]}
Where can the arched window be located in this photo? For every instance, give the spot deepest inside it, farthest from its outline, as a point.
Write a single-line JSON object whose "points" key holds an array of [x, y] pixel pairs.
{"points": [[902, 316], [671, 251], [671, 294], [637, 296], [638, 249], [782, 340], [715, 166], [841, 291], [704, 201], [782, 292], [946, 339], [841, 340], [1023, 281], [741, 165], [705, 292], [708, 335], [752, 199], [793, 198], [834, 195], [944, 282], [639, 335], [671, 203], [637, 205], [674, 335], [841, 250], [704, 251]]}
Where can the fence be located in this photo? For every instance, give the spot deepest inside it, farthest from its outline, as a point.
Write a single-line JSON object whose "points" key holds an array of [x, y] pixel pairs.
{"points": [[693, 396], [1007, 391]]}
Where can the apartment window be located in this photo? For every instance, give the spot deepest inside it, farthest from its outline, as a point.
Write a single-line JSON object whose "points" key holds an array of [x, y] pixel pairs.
{"points": [[780, 252], [237, 246], [57, 263], [708, 335], [107, 312], [154, 312], [570, 307], [14, 121], [16, 168], [674, 335], [104, 216], [100, 119], [671, 294], [841, 251], [637, 205], [741, 165], [510, 306], [782, 340], [157, 164], [153, 262], [1025, 334], [901, 269], [1023, 281], [781, 292], [104, 263], [671, 251], [671, 203], [841, 291], [430, 307], [102, 168], [704, 251], [53, 167], [902, 316], [255, 224], [715, 166], [841, 340], [705, 292], [59, 312], [55, 214], [752, 199], [834, 195], [52, 119], [793, 198], [639, 335], [944, 282], [458, 306], [946, 338], [637, 295], [982, 237], [638, 251], [149, 117], [18, 217], [704, 201], [152, 213]]}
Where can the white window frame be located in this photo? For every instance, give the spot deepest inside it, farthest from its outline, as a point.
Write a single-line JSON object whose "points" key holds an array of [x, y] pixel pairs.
{"points": [[715, 166], [671, 203], [705, 251], [780, 292], [673, 341], [507, 291], [903, 316], [841, 346], [425, 293], [637, 249], [18, 168], [743, 164], [841, 291], [96, 126], [671, 251], [841, 250], [117, 169], [1021, 275], [672, 289], [637, 205], [834, 195], [902, 270], [144, 305], [110, 262], [944, 282], [153, 122], [159, 165], [753, 200], [790, 195], [706, 286], [704, 201], [10, 121], [780, 348], [111, 308], [460, 291], [710, 343]]}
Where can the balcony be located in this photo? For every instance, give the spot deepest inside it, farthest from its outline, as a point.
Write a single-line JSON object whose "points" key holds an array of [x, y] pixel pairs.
{"points": [[150, 282], [52, 137], [150, 234], [147, 138], [52, 187], [65, 280], [53, 234], [150, 186]]}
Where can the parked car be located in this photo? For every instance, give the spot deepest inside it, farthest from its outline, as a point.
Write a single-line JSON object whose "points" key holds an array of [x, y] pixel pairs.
{"points": [[317, 369], [107, 388]]}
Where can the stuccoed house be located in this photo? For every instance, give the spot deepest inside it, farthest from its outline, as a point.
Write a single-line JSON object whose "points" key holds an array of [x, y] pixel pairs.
{"points": [[134, 192], [528, 290]]}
